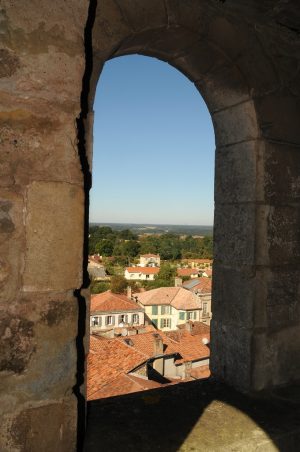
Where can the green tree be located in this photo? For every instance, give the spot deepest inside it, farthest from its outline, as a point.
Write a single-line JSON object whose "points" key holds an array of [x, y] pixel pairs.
{"points": [[118, 284]]}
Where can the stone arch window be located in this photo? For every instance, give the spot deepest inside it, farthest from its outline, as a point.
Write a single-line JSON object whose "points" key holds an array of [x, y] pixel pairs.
{"points": [[244, 58]]}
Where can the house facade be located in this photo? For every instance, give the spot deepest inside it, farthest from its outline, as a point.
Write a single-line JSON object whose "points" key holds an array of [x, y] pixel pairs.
{"points": [[168, 307], [141, 273], [150, 260], [109, 311], [201, 288]]}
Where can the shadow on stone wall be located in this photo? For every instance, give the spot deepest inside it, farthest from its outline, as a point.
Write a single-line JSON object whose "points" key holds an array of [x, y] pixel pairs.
{"points": [[195, 416]]}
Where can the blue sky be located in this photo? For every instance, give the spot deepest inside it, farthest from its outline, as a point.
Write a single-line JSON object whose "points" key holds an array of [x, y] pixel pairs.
{"points": [[154, 146]]}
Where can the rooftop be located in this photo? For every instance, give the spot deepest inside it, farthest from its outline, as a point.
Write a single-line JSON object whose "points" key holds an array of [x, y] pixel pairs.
{"points": [[144, 270], [109, 302], [202, 284], [177, 297]]}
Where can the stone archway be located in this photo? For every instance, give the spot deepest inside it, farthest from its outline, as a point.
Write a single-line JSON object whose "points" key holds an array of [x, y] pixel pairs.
{"points": [[244, 59]]}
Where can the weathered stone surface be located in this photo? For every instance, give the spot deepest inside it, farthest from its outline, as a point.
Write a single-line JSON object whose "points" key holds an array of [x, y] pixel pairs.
{"points": [[236, 178], [276, 357], [281, 173], [54, 233], [9, 63], [236, 124], [226, 306], [28, 432], [231, 354], [234, 234], [274, 125], [17, 343]]}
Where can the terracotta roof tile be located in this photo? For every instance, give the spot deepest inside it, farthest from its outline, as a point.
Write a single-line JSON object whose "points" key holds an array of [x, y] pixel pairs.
{"points": [[108, 302], [196, 328], [202, 285], [191, 348], [108, 358], [144, 343], [187, 271], [144, 270], [174, 296]]}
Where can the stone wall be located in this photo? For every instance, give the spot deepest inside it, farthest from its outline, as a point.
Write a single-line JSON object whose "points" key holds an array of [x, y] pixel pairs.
{"points": [[41, 222], [244, 59]]}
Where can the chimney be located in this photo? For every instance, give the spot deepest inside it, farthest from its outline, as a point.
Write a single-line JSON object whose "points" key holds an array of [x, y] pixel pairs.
{"points": [[188, 368], [158, 346], [129, 292], [178, 282]]}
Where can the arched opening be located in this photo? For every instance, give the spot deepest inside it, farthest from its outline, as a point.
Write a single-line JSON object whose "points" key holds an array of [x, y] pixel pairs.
{"points": [[153, 170], [244, 57]]}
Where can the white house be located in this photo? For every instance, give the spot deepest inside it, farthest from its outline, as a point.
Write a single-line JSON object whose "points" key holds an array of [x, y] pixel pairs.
{"points": [[168, 307], [109, 310], [141, 273]]}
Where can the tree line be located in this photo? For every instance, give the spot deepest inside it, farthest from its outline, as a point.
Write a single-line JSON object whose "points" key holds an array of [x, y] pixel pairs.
{"points": [[127, 245]]}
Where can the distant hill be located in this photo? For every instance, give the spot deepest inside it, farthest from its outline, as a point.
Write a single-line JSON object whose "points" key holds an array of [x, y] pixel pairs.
{"points": [[160, 228]]}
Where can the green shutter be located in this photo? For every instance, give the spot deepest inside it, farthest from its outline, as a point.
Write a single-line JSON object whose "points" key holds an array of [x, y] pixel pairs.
{"points": [[154, 310], [181, 315], [154, 321]]}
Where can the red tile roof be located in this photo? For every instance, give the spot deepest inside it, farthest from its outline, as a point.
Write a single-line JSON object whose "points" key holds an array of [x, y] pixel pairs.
{"points": [[174, 296], [202, 285], [144, 270], [107, 360], [109, 302], [196, 328], [187, 271], [191, 348], [144, 343]]}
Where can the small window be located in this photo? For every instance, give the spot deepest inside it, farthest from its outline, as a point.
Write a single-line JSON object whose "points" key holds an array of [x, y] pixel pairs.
{"points": [[195, 315], [204, 308], [154, 310], [123, 318], [190, 315], [181, 315], [135, 318], [96, 321], [109, 320], [165, 310], [165, 323]]}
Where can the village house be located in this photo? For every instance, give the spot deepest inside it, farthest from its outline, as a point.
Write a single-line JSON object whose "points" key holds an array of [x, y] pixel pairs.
{"points": [[168, 307], [201, 287], [200, 263], [96, 270], [150, 260], [141, 273], [109, 311], [187, 272]]}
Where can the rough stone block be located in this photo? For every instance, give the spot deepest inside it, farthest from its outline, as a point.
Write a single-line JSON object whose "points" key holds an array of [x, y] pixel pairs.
{"points": [[140, 14], [47, 427], [223, 87], [233, 296], [236, 173], [278, 235], [235, 234], [231, 354], [281, 164], [273, 124], [54, 236], [12, 244], [276, 357], [235, 124]]}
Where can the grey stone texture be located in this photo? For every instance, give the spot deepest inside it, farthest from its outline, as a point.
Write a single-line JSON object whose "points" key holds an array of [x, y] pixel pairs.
{"points": [[244, 59]]}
